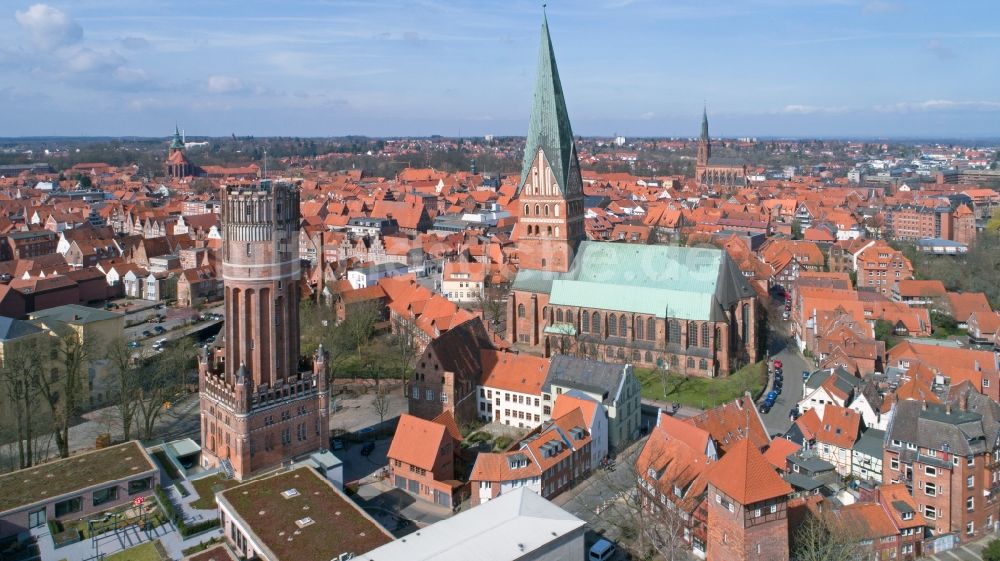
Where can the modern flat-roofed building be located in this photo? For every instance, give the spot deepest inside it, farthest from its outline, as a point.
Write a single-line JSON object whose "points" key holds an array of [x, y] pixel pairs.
{"points": [[516, 526], [296, 515], [74, 487]]}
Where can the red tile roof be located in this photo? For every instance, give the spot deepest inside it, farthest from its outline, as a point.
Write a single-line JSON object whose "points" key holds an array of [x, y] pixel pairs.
{"points": [[746, 476]]}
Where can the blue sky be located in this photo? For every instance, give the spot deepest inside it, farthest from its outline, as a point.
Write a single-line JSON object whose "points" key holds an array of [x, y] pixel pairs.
{"points": [[801, 68]]}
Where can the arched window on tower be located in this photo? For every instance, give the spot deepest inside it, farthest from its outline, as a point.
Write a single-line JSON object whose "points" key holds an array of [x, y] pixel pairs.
{"points": [[555, 210], [546, 210], [548, 231], [520, 310], [527, 210], [538, 210]]}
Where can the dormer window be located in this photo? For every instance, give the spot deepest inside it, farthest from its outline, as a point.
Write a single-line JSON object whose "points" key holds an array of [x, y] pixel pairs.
{"points": [[907, 516]]}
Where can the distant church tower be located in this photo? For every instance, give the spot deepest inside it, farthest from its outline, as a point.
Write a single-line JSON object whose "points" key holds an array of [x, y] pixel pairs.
{"points": [[550, 193], [257, 408], [704, 143], [177, 164]]}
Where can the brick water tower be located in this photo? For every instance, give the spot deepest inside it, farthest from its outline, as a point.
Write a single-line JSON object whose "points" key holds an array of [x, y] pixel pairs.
{"points": [[257, 408]]}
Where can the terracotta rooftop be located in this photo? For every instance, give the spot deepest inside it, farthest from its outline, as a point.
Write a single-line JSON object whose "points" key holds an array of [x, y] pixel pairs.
{"points": [[746, 476]]}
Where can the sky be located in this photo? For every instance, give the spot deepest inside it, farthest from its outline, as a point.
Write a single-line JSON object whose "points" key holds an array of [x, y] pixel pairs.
{"points": [[764, 68]]}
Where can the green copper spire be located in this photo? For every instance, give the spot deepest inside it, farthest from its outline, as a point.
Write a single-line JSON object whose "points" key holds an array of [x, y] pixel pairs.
{"points": [[177, 143], [704, 124], [549, 128]]}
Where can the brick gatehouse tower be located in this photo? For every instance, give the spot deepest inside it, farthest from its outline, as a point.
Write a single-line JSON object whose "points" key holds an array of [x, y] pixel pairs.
{"points": [[257, 408]]}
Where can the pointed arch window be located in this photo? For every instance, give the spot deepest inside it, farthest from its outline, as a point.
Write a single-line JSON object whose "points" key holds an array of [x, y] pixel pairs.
{"points": [[674, 335], [559, 315], [538, 210], [546, 210], [585, 322], [692, 334], [705, 337], [612, 325], [596, 320], [639, 331], [555, 210], [623, 326], [651, 329], [520, 310], [527, 210]]}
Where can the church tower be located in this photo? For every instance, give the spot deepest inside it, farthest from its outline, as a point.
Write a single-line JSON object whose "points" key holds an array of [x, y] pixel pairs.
{"points": [[704, 143], [550, 193], [258, 410], [177, 163]]}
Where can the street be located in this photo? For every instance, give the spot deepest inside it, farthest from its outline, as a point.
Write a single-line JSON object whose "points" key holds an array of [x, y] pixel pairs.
{"points": [[588, 497], [971, 551]]}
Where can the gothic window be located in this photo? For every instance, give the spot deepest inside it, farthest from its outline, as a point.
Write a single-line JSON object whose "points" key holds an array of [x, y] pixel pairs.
{"points": [[692, 334], [548, 231], [545, 312], [559, 316], [520, 310], [621, 354], [674, 335], [546, 210], [649, 357], [623, 326], [585, 322], [569, 316], [690, 362], [555, 210], [673, 361], [746, 324], [651, 329], [703, 364], [704, 335], [538, 210], [639, 329], [595, 318], [612, 325], [527, 210]]}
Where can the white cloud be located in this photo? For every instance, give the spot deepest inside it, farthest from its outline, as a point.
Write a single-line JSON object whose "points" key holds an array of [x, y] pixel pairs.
{"points": [[49, 27], [224, 84], [938, 105], [80, 59], [797, 109]]}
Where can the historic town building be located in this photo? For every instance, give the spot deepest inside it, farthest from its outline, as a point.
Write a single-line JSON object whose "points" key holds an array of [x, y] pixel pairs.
{"points": [[177, 164], [257, 408], [687, 309], [724, 174]]}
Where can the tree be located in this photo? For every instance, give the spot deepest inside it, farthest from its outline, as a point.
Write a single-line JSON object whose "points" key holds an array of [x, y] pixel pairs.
{"points": [[63, 389], [381, 403], [653, 530], [403, 345], [126, 383], [491, 301], [359, 324], [992, 551], [163, 377], [22, 363], [825, 538]]}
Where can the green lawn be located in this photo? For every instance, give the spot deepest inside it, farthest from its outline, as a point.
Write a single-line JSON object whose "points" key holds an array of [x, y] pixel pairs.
{"points": [[206, 488], [702, 392], [144, 552]]}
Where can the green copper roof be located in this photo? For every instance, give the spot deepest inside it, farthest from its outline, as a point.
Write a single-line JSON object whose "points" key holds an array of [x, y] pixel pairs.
{"points": [[549, 128], [704, 124], [694, 283], [176, 142]]}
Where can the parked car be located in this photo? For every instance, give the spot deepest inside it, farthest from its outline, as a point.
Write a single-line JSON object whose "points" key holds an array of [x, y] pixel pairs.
{"points": [[794, 413], [159, 329], [602, 550], [134, 344], [785, 316], [779, 372], [772, 395], [368, 448], [805, 374], [777, 363], [764, 408], [147, 333], [337, 444]]}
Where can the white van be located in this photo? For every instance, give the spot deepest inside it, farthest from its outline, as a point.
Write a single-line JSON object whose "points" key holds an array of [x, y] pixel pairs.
{"points": [[601, 551]]}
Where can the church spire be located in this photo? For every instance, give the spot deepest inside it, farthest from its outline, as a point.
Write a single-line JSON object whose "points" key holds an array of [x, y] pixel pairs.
{"points": [[704, 123], [177, 143], [549, 128]]}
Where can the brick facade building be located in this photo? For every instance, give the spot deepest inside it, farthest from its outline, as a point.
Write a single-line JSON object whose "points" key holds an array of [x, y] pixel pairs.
{"points": [[257, 408]]}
